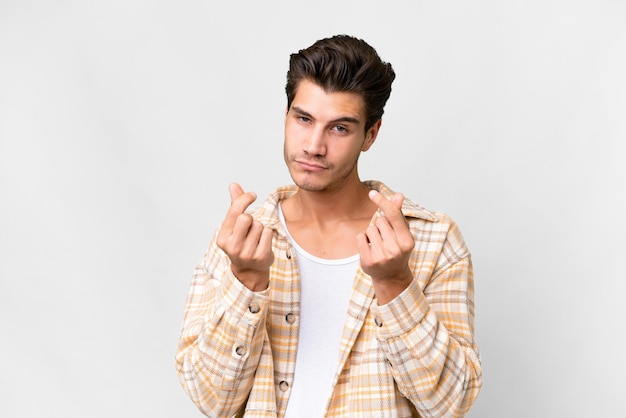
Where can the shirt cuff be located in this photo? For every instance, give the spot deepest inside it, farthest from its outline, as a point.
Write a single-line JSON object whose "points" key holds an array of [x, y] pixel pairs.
{"points": [[402, 314], [243, 303]]}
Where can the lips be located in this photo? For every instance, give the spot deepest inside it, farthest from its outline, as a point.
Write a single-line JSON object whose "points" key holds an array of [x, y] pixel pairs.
{"points": [[310, 165]]}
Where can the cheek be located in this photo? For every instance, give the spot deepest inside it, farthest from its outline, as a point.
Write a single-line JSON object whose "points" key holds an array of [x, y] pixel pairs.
{"points": [[289, 145], [346, 151], [288, 138], [295, 139]]}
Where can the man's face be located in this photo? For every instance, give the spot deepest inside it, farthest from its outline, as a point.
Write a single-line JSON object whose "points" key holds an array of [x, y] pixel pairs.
{"points": [[324, 136]]}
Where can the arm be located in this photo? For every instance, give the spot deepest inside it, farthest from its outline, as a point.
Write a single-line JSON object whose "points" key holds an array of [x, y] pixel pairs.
{"points": [[222, 336], [427, 335], [224, 323]]}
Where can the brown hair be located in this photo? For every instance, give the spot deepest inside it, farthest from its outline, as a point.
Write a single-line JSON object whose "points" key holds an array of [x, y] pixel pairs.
{"points": [[343, 63]]}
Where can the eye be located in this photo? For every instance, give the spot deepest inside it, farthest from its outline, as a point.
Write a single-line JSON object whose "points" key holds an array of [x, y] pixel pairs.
{"points": [[303, 119], [341, 129]]}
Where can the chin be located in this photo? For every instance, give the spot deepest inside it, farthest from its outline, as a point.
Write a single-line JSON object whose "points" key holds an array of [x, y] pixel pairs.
{"points": [[312, 182], [316, 186], [309, 186]]}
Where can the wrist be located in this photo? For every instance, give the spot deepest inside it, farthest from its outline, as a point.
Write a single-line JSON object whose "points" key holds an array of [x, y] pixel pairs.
{"points": [[389, 288], [256, 281]]}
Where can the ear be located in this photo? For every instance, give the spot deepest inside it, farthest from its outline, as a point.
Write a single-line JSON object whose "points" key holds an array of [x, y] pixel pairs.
{"points": [[370, 135]]}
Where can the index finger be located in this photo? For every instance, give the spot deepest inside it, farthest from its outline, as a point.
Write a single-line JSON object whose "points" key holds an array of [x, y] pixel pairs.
{"points": [[239, 202], [389, 207]]}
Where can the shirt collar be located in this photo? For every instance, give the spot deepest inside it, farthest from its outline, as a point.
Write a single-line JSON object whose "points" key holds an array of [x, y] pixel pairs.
{"points": [[268, 212], [409, 208]]}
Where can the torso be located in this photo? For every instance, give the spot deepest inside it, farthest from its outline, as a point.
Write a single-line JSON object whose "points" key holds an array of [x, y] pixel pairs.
{"points": [[325, 288], [330, 234], [333, 239]]}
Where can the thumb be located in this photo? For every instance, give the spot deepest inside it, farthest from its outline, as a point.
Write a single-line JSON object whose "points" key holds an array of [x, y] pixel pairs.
{"points": [[397, 200], [235, 191]]}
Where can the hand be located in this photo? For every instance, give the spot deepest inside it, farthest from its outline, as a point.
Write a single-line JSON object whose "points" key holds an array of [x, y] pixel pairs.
{"points": [[246, 241], [385, 248]]}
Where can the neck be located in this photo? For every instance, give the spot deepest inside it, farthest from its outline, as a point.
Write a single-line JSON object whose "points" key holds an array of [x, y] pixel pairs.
{"points": [[328, 206]]}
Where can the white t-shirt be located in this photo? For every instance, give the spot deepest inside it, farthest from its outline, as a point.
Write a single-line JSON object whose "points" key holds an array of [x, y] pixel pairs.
{"points": [[326, 286]]}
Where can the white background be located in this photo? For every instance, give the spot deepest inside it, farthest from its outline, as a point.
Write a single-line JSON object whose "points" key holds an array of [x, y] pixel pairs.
{"points": [[122, 123]]}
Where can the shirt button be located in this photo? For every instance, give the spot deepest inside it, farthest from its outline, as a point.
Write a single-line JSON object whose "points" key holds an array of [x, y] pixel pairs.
{"points": [[288, 254], [241, 350], [378, 322], [284, 386], [290, 318], [254, 308]]}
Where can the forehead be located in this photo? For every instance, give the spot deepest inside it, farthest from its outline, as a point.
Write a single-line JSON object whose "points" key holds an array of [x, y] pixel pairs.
{"points": [[324, 105]]}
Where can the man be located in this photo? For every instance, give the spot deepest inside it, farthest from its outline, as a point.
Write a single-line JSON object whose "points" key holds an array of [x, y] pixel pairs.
{"points": [[336, 297]]}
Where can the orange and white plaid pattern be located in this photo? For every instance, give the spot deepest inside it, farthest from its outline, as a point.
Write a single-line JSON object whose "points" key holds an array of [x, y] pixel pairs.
{"points": [[413, 357]]}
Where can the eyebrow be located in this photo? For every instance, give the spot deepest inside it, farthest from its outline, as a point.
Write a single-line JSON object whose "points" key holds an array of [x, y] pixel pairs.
{"points": [[347, 119]]}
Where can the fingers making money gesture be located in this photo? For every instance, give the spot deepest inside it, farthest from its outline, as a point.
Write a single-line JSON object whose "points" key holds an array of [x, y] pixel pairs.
{"points": [[246, 241], [385, 247]]}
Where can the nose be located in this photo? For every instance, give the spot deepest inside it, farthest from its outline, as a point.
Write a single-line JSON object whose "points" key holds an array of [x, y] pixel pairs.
{"points": [[316, 142]]}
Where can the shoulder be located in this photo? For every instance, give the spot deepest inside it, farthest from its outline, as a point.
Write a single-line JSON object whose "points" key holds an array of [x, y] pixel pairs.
{"points": [[430, 228], [410, 209], [267, 211]]}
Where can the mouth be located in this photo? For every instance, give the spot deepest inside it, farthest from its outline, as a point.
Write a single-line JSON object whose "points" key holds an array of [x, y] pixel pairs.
{"points": [[310, 166]]}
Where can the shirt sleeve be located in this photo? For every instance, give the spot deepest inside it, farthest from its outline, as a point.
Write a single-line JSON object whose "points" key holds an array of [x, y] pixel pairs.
{"points": [[222, 336], [427, 336]]}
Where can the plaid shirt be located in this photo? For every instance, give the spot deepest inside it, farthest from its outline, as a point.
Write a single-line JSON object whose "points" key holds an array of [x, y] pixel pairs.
{"points": [[413, 357]]}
